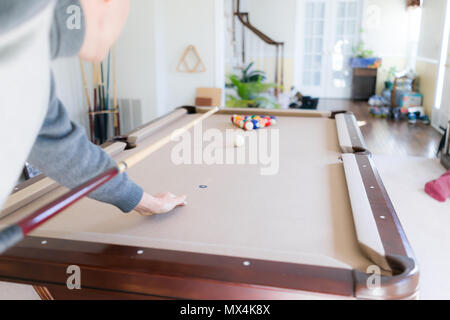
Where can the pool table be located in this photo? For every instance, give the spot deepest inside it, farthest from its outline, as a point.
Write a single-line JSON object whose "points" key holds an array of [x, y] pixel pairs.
{"points": [[313, 228]]}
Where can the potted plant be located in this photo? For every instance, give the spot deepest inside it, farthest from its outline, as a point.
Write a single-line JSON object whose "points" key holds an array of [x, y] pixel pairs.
{"points": [[250, 90], [364, 58], [389, 83]]}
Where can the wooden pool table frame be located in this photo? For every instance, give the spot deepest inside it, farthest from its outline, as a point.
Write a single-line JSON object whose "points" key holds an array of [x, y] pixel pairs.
{"points": [[121, 272]]}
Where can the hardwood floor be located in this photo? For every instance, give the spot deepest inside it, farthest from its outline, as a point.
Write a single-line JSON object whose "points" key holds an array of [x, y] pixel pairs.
{"points": [[389, 137]]}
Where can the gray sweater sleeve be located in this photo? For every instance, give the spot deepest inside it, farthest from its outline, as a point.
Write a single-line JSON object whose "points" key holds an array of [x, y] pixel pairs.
{"points": [[63, 152], [65, 39]]}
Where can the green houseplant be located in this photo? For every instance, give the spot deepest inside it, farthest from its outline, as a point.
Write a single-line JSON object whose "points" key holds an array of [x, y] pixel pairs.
{"points": [[389, 83], [361, 52], [251, 91]]}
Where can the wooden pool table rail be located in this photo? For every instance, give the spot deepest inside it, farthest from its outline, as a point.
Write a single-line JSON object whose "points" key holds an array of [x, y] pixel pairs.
{"points": [[355, 144], [130, 272], [183, 275]]}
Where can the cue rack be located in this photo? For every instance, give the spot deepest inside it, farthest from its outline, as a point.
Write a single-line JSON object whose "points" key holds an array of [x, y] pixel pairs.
{"points": [[101, 108]]}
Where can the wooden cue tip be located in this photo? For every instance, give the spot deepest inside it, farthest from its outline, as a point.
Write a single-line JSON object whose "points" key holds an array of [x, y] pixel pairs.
{"points": [[122, 166]]}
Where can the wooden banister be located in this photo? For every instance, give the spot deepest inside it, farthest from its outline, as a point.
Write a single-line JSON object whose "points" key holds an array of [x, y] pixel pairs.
{"points": [[279, 46]]}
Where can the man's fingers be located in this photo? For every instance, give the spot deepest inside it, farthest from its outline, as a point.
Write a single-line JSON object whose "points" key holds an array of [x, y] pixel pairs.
{"points": [[181, 201], [166, 195]]}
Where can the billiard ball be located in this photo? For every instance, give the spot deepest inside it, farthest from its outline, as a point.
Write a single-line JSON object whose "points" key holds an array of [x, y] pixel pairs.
{"points": [[239, 141]]}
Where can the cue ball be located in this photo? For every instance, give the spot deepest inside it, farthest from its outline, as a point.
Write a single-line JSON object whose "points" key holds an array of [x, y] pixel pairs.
{"points": [[239, 141]]}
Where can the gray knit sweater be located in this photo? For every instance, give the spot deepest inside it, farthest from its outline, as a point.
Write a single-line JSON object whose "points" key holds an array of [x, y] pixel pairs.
{"points": [[62, 150]]}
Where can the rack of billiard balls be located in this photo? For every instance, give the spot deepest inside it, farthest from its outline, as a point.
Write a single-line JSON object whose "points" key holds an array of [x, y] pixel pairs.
{"points": [[254, 122]]}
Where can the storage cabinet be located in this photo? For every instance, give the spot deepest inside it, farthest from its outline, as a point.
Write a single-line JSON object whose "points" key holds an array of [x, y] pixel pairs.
{"points": [[364, 83]]}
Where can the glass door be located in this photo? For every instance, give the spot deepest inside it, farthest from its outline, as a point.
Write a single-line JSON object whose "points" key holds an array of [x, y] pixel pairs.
{"points": [[345, 30], [312, 50], [328, 35]]}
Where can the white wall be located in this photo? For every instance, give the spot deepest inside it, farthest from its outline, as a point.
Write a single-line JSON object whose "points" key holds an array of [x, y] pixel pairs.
{"points": [[433, 16], [154, 40], [385, 27], [276, 19], [69, 89], [180, 24], [136, 58]]}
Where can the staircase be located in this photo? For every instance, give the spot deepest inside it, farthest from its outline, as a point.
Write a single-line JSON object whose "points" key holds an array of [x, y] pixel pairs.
{"points": [[249, 44]]}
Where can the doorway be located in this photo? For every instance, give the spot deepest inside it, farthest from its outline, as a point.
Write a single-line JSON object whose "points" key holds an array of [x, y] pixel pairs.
{"points": [[329, 30]]}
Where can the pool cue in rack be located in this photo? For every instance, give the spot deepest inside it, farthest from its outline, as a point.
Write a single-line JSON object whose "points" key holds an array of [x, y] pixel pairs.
{"points": [[116, 114], [88, 99], [102, 109]]}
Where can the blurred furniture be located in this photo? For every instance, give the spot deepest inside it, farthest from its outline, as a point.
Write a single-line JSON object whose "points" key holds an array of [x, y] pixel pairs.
{"points": [[397, 81], [364, 83], [209, 97], [203, 102], [445, 157], [414, 3]]}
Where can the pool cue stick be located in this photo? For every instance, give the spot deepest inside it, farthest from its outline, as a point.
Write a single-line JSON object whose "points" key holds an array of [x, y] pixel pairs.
{"points": [[104, 117], [141, 155], [99, 95], [88, 98], [16, 232], [96, 124], [108, 75], [99, 105], [108, 78], [101, 101], [115, 106]]}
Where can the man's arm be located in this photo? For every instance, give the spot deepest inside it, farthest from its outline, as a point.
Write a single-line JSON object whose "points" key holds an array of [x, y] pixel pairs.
{"points": [[63, 152]]}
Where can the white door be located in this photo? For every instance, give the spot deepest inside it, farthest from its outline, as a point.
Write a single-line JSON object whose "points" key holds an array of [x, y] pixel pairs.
{"points": [[441, 111], [327, 34], [441, 115]]}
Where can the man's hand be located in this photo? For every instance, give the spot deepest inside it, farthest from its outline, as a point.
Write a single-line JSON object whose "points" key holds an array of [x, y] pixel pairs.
{"points": [[159, 204]]}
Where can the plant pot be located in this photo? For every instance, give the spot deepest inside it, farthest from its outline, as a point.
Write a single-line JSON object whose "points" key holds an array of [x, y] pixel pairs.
{"points": [[389, 85]]}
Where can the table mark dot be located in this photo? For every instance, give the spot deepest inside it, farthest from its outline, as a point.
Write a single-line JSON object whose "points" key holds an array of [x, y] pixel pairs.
{"points": [[382, 217], [140, 252], [203, 186], [44, 242], [246, 263]]}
